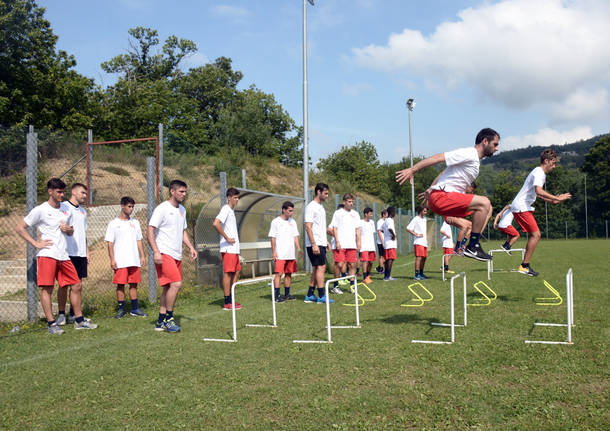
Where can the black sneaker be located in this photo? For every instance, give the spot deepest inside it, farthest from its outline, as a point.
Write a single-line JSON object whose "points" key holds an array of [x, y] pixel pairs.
{"points": [[476, 252], [120, 313], [289, 298], [506, 249], [279, 299], [527, 271]]}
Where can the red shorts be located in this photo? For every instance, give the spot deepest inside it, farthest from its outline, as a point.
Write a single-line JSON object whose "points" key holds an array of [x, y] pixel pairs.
{"points": [[170, 271], [50, 269], [345, 255], [285, 266], [527, 221], [452, 204], [368, 256], [447, 251], [230, 262], [421, 251], [390, 253], [127, 275], [510, 230]]}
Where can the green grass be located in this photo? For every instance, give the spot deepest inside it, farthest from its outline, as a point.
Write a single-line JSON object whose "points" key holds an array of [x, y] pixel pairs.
{"points": [[126, 376]]}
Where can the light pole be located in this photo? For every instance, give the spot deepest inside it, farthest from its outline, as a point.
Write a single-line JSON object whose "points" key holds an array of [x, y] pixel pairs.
{"points": [[305, 123], [410, 106]]}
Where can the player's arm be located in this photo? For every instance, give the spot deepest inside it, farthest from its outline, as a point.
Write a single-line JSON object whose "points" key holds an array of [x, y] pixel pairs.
{"points": [[67, 229], [312, 241], [141, 251], [189, 244], [412, 232], [22, 231], [111, 254], [407, 174], [445, 233], [548, 197], [336, 236], [297, 245], [499, 216], [393, 235], [380, 235], [150, 235], [358, 239], [273, 249], [218, 226]]}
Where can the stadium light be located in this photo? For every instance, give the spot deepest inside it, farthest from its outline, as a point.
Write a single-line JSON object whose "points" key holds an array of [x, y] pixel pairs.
{"points": [[410, 106], [305, 122]]}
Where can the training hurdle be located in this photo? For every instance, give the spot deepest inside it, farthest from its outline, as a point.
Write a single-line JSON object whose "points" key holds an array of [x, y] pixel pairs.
{"points": [[329, 327], [417, 296], [485, 298], [233, 311], [452, 325], [569, 313], [490, 263], [361, 298]]}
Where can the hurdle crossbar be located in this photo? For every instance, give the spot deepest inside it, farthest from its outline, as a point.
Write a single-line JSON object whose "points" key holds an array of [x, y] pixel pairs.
{"points": [[569, 314], [233, 311], [490, 263]]}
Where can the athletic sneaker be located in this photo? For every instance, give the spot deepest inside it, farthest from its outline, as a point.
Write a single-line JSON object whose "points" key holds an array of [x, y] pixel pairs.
{"points": [[389, 279], [423, 276], [170, 325], [120, 313], [137, 312], [417, 277], [368, 280], [160, 326], [289, 298], [336, 290], [72, 319], [279, 299], [85, 324], [55, 329], [61, 319], [322, 300], [229, 306], [379, 270], [449, 271], [476, 252], [506, 249], [527, 271], [310, 299]]}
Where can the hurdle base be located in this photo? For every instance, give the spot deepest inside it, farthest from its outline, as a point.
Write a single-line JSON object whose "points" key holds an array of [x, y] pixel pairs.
{"points": [[548, 342], [431, 342], [343, 327], [312, 341], [551, 324], [256, 325], [222, 340], [446, 325]]}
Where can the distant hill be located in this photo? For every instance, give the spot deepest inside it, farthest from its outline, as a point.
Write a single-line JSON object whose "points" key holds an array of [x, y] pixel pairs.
{"points": [[571, 155]]}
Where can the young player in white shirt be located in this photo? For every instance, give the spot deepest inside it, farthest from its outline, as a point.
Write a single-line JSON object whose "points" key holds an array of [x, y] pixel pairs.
{"points": [[389, 243], [226, 225], [504, 222], [124, 238], [346, 232], [337, 266], [53, 219], [284, 235], [417, 228], [448, 197], [166, 232], [523, 210], [379, 239], [447, 244], [368, 233]]}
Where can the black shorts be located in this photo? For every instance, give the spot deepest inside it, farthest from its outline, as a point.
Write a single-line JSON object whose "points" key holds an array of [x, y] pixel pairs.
{"points": [[80, 263], [317, 259], [381, 250]]}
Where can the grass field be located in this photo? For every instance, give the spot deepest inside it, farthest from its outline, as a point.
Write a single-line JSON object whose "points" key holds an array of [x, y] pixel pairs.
{"points": [[124, 375]]}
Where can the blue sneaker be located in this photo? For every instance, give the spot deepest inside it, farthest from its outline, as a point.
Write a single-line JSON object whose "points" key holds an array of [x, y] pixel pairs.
{"points": [[310, 299], [322, 300], [160, 327], [417, 277], [423, 277], [170, 325]]}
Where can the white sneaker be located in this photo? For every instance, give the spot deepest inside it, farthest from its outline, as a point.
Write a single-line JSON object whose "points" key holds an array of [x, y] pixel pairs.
{"points": [[86, 324], [55, 330], [61, 319], [72, 319], [336, 290]]}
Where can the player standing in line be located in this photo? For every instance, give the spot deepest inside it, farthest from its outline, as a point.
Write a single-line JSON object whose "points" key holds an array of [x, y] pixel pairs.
{"points": [[315, 241], [166, 232], [523, 210], [417, 228], [337, 266], [77, 248], [284, 236], [53, 219], [346, 231], [447, 243], [368, 232], [124, 238], [379, 241], [504, 222], [464, 227], [448, 196], [389, 243], [226, 225]]}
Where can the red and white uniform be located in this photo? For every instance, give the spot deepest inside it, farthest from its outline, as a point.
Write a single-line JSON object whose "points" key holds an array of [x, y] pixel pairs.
{"points": [[169, 223], [447, 240], [77, 242], [389, 244], [506, 223], [346, 223], [228, 251], [418, 225], [368, 232], [522, 205], [284, 232]]}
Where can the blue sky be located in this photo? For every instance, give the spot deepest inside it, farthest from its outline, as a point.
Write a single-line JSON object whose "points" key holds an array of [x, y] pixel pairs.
{"points": [[536, 71]]}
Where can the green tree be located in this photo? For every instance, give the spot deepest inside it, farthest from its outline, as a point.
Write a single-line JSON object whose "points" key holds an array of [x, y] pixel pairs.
{"points": [[597, 168]]}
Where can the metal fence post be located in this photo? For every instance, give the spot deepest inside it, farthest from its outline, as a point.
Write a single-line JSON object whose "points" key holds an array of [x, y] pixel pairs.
{"points": [[90, 165], [150, 198], [337, 200], [31, 197], [243, 179], [161, 146], [606, 229], [223, 189], [566, 230], [306, 263], [375, 218], [399, 230]]}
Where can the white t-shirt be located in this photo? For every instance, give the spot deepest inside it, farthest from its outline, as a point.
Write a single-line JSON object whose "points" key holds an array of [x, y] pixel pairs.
{"points": [[229, 225], [462, 170], [346, 223], [447, 241], [284, 232], [47, 220], [124, 235], [379, 227], [316, 215], [388, 242], [77, 242], [418, 225], [527, 195], [506, 220], [170, 223], [333, 244], [367, 235]]}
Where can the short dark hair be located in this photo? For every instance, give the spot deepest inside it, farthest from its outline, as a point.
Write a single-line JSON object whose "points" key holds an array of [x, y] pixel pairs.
{"points": [[384, 211], [391, 211], [126, 200], [420, 208], [340, 206], [486, 133], [348, 196], [287, 205], [176, 183], [548, 154], [232, 191], [55, 184], [320, 187], [367, 210], [76, 185]]}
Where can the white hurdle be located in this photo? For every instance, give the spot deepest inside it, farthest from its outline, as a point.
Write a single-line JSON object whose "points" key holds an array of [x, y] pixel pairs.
{"points": [[233, 311], [569, 312], [452, 325], [490, 263], [329, 327]]}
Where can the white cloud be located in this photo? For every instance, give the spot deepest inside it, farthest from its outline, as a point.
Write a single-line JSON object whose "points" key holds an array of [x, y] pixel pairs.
{"points": [[195, 60], [546, 137], [233, 12], [518, 53], [581, 104], [356, 89]]}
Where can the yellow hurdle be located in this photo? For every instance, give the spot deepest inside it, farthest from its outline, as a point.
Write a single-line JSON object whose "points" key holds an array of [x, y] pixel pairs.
{"points": [[487, 299], [417, 296], [558, 300]]}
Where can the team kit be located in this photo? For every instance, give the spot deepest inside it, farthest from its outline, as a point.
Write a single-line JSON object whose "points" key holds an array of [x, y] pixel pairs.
{"points": [[356, 242]]}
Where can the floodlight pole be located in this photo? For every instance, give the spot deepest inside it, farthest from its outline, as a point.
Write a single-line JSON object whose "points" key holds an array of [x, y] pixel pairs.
{"points": [[305, 120], [410, 106]]}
